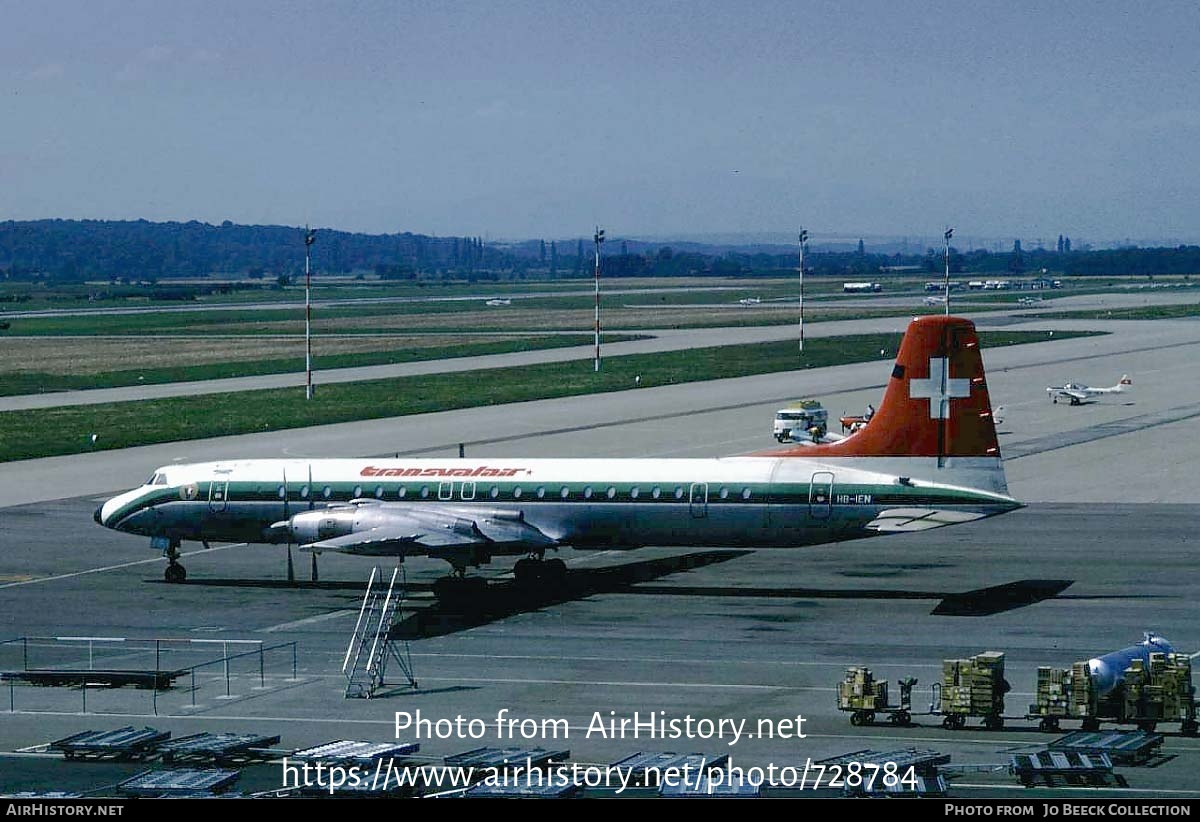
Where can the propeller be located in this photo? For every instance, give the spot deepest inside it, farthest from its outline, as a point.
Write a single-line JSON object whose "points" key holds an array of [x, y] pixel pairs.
{"points": [[287, 516], [310, 507]]}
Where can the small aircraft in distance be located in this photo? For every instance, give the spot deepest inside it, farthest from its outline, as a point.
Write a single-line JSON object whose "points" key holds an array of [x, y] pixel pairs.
{"points": [[499, 301], [749, 301], [1029, 300], [936, 300], [1076, 393]]}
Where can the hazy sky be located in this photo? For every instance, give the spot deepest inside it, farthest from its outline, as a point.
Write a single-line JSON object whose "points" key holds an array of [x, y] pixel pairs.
{"points": [[512, 119]]}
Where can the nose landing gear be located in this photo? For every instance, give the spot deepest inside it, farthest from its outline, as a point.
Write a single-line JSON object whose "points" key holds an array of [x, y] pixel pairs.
{"points": [[174, 573]]}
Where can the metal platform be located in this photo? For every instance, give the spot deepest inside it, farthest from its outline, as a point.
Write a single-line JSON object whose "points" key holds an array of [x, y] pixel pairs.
{"points": [[1059, 768], [709, 787], [351, 752], [1122, 747], [924, 762], [181, 782], [925, 786], [648, 768], [521, 790], [483, 759], [218, 747], [122, 743], [94, 678]]}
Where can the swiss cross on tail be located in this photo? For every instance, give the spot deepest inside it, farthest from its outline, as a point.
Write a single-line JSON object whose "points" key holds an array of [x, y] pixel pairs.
{"points": [[936, 403], [939, 387]]}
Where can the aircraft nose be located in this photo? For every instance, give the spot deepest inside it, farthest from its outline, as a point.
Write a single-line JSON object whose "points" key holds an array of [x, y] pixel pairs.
{"points": [[96, 516]]}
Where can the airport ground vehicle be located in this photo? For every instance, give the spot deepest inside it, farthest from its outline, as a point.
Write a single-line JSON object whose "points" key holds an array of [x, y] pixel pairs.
{"points": [[798, 420]]}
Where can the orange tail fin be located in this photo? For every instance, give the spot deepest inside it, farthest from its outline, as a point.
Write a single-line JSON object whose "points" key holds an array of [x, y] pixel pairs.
{"points": [[935, 405]]}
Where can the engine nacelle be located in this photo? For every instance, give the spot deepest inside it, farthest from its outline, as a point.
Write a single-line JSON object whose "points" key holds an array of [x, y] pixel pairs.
{"points": [[314, 526]]}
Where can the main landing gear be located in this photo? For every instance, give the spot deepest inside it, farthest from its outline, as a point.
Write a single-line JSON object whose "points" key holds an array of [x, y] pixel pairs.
{"points": [[175, 573], [459, 589], [530, 571]]}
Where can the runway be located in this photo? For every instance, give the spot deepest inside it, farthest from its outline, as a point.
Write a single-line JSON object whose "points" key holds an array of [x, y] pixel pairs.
{"points": [[1104, 550]]}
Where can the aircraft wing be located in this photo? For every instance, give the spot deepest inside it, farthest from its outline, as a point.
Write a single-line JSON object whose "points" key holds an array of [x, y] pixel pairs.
{"points": [[400, 529], [895, 520], [375, 542], [1073, 393]]}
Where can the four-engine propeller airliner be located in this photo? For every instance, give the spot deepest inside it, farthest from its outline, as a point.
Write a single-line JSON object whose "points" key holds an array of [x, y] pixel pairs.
{"points": [[929, 458], [1076, 393]]}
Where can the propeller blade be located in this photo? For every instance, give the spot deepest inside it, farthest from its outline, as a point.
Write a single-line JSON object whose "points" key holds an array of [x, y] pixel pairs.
{"points": [[287, 517]]}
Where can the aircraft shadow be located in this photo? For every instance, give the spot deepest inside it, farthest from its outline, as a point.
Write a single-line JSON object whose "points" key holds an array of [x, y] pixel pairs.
{"points": [[504, 599], [355, 586]]}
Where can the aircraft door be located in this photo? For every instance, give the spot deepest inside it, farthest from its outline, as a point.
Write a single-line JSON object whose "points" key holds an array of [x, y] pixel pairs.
{"points": [[218, 492], [699, 500], [820, 495]]}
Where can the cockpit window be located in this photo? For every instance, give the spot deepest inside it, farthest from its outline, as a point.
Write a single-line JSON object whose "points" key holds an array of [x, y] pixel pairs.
{"points": [[158, 479]]}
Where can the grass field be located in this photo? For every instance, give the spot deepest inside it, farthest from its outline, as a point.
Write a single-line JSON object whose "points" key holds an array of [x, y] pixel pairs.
{"points": [[69, 429], [1149, 312], [77, 364]]}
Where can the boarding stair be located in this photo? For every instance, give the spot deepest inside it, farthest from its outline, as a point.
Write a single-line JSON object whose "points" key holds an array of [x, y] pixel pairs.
{"points": [[372, 647]]}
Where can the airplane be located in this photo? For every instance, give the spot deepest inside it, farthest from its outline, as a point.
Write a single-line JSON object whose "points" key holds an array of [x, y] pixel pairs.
{"points": [[498, 301], [929, 458], [749, 301], [940, 300], [1077, 393]]}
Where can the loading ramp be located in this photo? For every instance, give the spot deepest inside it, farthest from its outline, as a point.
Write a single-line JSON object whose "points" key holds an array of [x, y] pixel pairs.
{"points": [[371, 646]]}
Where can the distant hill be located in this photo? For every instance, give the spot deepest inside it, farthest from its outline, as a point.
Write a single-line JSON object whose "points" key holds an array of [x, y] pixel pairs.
{"points": [[81, 249], [137, 250]]}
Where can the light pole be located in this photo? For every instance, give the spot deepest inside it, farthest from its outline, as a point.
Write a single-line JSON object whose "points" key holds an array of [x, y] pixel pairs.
{"points": [[310, 236], [949, 233], [598, 237], [803, 240]]}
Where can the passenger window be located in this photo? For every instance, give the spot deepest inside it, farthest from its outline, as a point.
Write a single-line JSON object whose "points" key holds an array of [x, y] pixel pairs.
{"points": [[424, 491], [327, 492], [587, 492], [565, 493], [611, 492], [494, 492], [303, 492], [541, 492], [357, 491], [379, 492], [724, 493], [517, 492], [678, 492], [282, 492], [633, 492], [745, 493], [656, 492], [402, 492]]}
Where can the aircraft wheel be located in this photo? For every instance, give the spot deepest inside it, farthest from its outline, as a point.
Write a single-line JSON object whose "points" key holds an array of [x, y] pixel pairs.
{"points": [[902, 718], [459, 590], [527, 571], [175, 573], [554, 571], [950, 723], [856, 718]]}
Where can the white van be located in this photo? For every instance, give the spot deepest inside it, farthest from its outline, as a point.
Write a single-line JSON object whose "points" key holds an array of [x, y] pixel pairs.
{"points": [[798, 420]]}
